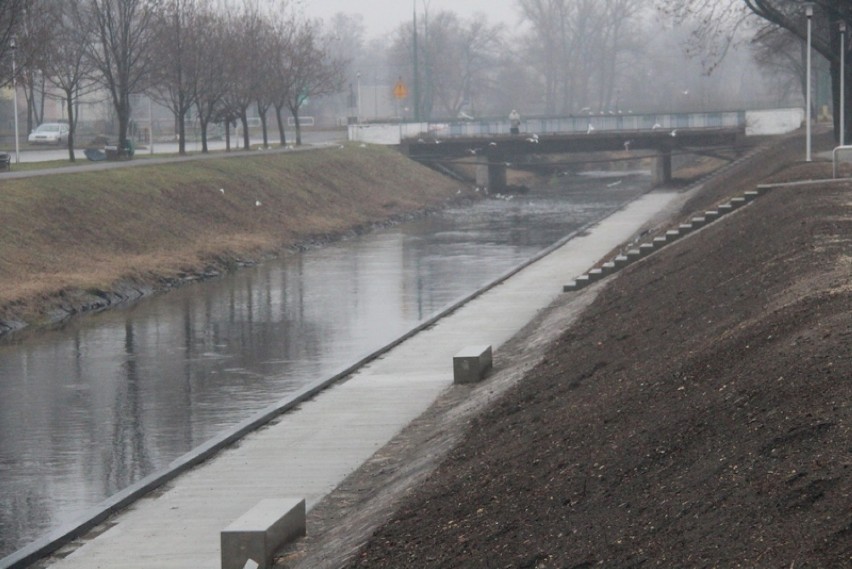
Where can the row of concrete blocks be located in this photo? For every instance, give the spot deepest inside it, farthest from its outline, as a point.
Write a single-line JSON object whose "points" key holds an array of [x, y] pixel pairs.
{"points": [[659, 242], [250, 542]]}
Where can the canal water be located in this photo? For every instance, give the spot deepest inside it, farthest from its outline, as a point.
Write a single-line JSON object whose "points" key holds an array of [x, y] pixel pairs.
{"points": [[89, 409]]}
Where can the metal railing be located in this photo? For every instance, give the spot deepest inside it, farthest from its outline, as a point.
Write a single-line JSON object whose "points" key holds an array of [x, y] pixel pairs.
{"points": [[834, 159], [586, 123]]}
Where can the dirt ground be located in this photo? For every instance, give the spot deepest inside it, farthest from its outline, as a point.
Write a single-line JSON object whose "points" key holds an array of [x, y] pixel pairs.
{"points": [[691, 411]]}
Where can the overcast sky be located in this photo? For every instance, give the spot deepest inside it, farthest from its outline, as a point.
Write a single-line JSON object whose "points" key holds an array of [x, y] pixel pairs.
{"points": [[383, 16]]}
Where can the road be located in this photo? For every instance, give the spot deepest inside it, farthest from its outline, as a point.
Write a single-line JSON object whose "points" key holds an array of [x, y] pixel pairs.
{"points": [[31, 154]]}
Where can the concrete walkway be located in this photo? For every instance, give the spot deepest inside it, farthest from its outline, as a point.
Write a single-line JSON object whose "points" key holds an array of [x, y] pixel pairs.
{"points": [[307, 452]]}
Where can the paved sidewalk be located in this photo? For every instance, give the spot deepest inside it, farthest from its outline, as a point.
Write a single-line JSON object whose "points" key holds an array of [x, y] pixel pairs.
{"points": [[307, 452]]}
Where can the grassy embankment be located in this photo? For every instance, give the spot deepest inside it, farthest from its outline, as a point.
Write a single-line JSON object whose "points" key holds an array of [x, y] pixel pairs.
{"points": [[68, 238]]}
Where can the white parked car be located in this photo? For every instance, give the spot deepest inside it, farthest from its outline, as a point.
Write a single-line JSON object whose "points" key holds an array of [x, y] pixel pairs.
{"points": [[49, 133]]}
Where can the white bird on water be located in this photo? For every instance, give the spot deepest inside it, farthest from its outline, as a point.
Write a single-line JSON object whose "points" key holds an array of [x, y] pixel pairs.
{"points": [[257, 203], [222, 191], [674, 132]]}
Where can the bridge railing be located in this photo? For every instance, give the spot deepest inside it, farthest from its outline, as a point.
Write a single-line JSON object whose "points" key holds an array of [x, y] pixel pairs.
{"points": [[732, 119], [772, 121]]}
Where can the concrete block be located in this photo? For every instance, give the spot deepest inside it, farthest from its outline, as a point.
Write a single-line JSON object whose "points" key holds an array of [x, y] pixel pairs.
{"points": [[697, 222], [570, 287], [712, 215], [672, 235], [595, 275], [621, 261], [646, 249], [659, 241], [260, 532], [738, 202], [582, 280], [751, 195], [685, 228], [471, 364], [608, 268], [725, 208]]}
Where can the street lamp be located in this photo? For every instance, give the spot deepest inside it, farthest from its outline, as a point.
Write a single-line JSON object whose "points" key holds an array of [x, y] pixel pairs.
{"points": [[809, 12], [358, 94], [14, 46], [842, 82]]}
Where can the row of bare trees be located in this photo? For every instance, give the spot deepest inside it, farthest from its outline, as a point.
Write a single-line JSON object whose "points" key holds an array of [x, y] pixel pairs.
{"points": [[218, 60], [564, 57]]}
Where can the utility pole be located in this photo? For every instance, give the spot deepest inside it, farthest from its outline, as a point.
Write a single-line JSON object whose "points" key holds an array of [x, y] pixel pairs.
{"points": [[416, 70]]}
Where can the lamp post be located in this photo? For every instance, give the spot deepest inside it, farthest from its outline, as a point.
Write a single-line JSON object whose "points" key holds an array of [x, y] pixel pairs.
{"points": [[358, 95], [14, 46], [842, 82], [809, 12]]}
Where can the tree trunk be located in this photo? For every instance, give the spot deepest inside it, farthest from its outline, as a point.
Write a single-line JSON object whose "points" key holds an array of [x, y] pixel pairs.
{"points": [[69, 103], [203, 122], [280, 120], [261, 111], [246, 135]]}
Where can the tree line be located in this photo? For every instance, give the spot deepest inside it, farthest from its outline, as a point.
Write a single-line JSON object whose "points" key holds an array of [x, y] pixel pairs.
{"points": [[218, 60]]}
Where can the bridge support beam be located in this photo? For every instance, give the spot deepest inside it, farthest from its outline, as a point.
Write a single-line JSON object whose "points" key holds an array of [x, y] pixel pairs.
{"points": [[663, 170], [490, 173]]}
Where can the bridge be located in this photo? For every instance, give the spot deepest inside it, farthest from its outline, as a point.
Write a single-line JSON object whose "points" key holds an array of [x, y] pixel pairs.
{"points": [[492, 145]]}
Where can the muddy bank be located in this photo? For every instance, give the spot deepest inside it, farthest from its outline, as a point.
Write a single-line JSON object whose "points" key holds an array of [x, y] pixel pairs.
{"points": [[76, 243]]}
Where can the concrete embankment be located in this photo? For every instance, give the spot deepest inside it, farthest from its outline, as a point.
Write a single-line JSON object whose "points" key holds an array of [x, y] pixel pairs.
{"points": [[76, 242]]}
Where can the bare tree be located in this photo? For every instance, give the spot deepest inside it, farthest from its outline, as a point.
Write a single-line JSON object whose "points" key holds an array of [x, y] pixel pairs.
{"points": [[124, 33], [459, 62], [212, 80], [312, 71], [577, 47], [179, 58], [722, 19], [243, 25], [33, 36], [66, 65]]}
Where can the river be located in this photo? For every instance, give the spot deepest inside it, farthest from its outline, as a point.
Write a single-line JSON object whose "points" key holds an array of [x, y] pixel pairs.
{"points": [[94, 406]]}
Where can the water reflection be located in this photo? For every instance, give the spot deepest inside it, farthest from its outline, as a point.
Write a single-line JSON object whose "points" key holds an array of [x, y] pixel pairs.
{"points": [[89, 409]]}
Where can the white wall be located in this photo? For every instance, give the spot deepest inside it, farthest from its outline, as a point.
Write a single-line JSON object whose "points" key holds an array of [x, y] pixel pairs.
{"points": [[775, 121]]}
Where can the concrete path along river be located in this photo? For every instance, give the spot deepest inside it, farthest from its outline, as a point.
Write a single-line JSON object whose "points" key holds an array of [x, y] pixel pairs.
{"points": [[308, 451]]}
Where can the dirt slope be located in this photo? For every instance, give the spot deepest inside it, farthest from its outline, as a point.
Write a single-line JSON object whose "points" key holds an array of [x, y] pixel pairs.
{"points": [[697, 415]]}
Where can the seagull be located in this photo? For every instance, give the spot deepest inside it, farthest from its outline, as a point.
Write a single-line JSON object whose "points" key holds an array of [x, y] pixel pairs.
{"points": [[472, 150], [437, 141], [590, 129], [533, 140], [222, 191], [421, 141], [257, 203], [492, 144], [674, 132], [656, 126], [627, 144]]}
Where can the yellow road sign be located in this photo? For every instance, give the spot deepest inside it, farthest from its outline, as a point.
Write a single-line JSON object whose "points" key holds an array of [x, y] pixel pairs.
{"points": [[400, 91]]}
